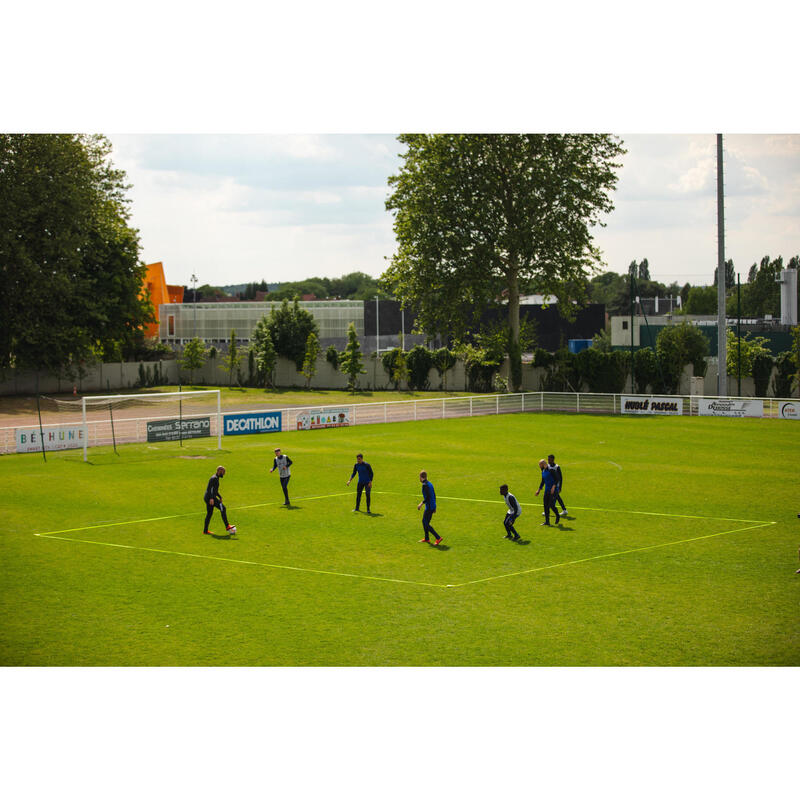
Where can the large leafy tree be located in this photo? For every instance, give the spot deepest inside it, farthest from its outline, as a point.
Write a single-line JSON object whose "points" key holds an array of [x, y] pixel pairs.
{"points": [[69, 259], [289, 327], [480, 216]]}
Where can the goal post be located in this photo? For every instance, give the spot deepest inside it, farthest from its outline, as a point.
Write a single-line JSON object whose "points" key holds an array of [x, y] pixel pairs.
{"points": [[128, 418]]}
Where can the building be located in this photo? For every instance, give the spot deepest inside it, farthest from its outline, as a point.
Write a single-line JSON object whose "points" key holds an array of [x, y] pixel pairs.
{"points": [[212, 322], [161, 293]]}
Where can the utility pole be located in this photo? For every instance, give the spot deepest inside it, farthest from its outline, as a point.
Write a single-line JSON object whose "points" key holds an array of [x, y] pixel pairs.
{"points": [[377, 328], [722, 332], [194, 302]]}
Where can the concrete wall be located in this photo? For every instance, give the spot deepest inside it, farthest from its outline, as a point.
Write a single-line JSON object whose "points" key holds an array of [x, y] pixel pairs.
{"points": [[122, 377]]}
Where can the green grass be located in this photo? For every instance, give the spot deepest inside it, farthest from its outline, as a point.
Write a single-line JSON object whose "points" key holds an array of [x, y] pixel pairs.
{"points": [[680, 549]]}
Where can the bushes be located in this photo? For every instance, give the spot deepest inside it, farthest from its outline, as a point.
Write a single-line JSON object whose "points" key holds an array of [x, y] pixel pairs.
{"points": [[603, 372], [783, 382], [762, 369], [419, 362], [646, 370]]}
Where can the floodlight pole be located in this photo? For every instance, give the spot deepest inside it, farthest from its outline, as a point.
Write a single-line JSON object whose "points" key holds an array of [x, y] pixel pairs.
{"points": [[722, 333], [739, 334], [194, 303]]}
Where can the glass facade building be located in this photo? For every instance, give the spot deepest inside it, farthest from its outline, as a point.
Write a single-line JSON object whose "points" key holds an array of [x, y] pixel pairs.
{"points": [[179, 323]]}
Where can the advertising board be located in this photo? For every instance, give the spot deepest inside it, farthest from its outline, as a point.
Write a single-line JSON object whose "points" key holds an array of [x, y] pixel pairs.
{"points": [[252, 422], [329, 418], [727, 407], [168, 430], [651, 405], [61, 438]]}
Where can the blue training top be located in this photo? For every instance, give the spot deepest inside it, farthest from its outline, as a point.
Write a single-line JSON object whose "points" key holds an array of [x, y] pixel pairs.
{"points": [[548, 479], [429, 495], [364, 471]]}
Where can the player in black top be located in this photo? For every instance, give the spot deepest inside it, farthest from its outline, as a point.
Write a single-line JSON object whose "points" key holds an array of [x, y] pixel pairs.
{"points": [[212, 500], [365, 474], [551, 463]]}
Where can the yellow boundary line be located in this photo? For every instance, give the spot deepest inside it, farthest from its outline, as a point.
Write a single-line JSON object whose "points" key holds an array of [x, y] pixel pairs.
{"points": [[54, 535]]}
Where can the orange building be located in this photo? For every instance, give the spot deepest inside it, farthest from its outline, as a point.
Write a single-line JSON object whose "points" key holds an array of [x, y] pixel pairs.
{"points": [[160, 292]]}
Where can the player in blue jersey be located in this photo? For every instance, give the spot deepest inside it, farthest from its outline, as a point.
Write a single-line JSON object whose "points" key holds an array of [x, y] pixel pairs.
{"points": [[549, 483], [513, 512], [551, 462], [429, 501], [365, 475]]}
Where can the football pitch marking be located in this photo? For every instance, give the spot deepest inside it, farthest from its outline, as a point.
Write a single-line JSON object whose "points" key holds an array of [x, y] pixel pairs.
{"points": [[55, 535]]}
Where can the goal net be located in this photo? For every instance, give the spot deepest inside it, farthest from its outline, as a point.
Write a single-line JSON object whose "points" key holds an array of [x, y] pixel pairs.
{"points": [[110, 420]]}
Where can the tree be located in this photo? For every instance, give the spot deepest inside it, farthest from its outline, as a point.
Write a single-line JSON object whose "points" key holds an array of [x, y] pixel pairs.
{"points": [[350, 361], [480, 215], [69, 260], [231, 361], [677, 346], [264, 350], [646, 370], [394, 363], [194, 356], [644, 270], [332, 356], [730, 275], [289, 327], [763, 295], [701, 300], [420, 361], [750, 346], [310, 360], [444, 360]]}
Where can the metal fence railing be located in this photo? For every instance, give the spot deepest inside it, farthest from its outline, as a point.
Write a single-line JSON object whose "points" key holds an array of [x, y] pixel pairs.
{"points": [[98, 431]]}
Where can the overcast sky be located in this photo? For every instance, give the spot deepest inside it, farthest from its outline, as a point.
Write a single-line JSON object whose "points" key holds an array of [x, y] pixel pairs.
{"points": [[240, 208]]}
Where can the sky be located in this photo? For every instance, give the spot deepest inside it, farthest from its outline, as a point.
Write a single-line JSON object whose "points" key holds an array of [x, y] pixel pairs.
{"points": [[238, 208]]}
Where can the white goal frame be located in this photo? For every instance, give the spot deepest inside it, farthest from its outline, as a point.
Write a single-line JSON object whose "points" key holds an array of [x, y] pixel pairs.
{"points": [[162, 396]]}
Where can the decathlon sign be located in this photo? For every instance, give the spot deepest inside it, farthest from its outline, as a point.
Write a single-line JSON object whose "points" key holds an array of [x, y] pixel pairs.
{"points": [[254, 422], [29, 440], [652, 405], [725, 407]]}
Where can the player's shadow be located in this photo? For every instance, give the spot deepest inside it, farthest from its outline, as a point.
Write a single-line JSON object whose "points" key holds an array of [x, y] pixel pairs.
{"points": [[372, 514], [221, 536], [440, 547], [291, 507], [522, 541]]}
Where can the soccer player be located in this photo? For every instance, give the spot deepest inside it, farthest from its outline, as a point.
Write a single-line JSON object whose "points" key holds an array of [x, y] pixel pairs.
{"points": [[551, 462], [365, 474], [549, 483], [514, 510], [282, 463], [429, 500], [212, 500]]}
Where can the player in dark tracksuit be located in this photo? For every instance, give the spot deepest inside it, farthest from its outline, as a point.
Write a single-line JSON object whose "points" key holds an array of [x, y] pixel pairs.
{"points": [[429, 500], [549, 483], [212, 500], [282, 464], [513, 512], [365, 474], [551, 462]]}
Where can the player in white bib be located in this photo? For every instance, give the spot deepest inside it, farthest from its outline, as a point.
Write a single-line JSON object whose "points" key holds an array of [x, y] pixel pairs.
{"points": [[514, 509], [282, 464]]}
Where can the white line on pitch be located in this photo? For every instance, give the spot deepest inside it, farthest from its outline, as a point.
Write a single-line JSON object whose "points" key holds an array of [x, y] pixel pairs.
{"points": [[177, 516], [608, 555], [587, 508], [241, 561]]}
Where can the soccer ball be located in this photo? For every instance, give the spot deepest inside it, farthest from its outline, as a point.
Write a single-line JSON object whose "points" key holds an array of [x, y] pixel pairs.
{"points": [[232, 529]]}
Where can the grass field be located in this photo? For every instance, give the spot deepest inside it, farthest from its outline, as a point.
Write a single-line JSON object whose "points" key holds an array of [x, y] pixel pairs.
{"points": [[680, 549]]}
